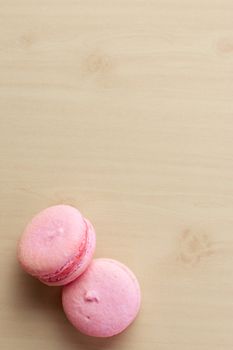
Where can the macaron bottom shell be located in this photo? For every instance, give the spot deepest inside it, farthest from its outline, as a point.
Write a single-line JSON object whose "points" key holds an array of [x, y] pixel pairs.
{"points": [[104, 300]]}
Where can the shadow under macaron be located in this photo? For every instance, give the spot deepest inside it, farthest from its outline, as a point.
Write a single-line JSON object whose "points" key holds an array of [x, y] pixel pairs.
{"points": [[30, 293], [84, 342]]}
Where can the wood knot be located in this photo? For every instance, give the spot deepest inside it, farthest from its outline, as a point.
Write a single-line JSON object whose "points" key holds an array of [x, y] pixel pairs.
{"points": [[27, 40], [193, 246], [225, 45], [97, 63]]}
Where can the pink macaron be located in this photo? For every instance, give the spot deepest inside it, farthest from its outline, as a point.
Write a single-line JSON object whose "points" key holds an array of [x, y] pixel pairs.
{"points": [[57, 245], [104, 300]]}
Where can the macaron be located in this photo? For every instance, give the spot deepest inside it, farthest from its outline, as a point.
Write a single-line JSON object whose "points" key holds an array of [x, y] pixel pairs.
{"points": [[104, 300], [57, 245]]}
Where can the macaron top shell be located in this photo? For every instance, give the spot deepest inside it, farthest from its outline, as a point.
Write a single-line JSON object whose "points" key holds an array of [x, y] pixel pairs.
{"points": [[51, 240], [104, 300]]}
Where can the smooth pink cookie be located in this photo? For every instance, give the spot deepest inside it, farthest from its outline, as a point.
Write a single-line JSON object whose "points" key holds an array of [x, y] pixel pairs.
{"points": [[57, 245], [104, 300]]}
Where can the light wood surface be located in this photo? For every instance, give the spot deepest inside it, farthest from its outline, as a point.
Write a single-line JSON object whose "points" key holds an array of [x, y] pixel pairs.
{"points": [[125, 110]]}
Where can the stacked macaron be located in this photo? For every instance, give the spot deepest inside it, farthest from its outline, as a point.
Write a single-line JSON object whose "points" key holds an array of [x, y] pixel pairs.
{"points": [[100, 297]]}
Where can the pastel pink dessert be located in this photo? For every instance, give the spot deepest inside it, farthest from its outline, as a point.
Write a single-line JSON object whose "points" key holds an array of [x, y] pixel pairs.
{"points": [[57, 245], [104, 300]]}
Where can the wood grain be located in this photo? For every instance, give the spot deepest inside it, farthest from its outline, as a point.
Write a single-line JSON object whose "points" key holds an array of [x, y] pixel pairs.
{"points": [[124, 109]]}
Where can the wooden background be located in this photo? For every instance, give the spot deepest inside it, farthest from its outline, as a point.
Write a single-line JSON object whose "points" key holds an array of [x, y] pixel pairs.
{"points": [[125, 110]]}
